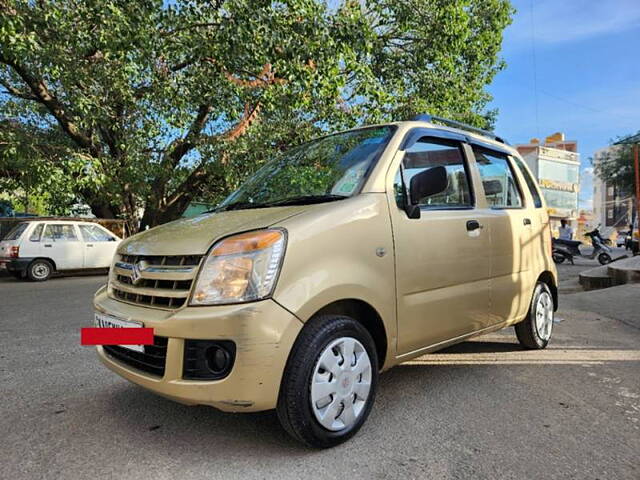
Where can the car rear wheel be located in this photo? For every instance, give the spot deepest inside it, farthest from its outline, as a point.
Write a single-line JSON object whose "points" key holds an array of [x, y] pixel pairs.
{"points": [[330, 381], [534, 332], [39, 270]]}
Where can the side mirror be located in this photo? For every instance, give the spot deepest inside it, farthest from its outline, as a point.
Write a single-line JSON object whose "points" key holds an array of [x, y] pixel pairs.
{"points": [[424, 184]]}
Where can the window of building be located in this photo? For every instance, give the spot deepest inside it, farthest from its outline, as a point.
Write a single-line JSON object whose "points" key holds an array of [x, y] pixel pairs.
{"points": [[498, 180], [610, 191], [428, 153], [560, 199], [558, 171]]}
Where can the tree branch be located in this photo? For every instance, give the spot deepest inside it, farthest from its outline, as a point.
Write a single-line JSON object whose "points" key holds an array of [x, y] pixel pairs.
{"points": [[17, 93], [40, 90]]}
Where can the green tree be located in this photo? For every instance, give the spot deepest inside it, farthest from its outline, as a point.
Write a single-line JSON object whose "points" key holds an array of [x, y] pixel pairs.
{"points": [[615, 166], [144, 105]]}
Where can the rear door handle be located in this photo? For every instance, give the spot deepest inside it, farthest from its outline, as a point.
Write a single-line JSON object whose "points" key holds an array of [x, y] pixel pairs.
{"points": [[89, 244], [527, 221], [473, 225], [47, 245]]}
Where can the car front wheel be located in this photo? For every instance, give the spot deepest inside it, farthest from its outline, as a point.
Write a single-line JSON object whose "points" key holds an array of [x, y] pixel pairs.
{"points": [[330, 381]]}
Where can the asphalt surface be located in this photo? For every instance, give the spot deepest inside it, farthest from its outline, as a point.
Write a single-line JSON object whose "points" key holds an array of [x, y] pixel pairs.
{"points": [[482, 409]]}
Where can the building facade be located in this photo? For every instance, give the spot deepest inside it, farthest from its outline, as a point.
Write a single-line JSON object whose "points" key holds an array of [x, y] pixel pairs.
{"points": [[612, 208], [556, 165]]}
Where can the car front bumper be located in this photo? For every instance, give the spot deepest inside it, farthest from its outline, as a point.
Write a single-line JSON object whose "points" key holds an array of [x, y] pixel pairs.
{"points": [[263, 332]]}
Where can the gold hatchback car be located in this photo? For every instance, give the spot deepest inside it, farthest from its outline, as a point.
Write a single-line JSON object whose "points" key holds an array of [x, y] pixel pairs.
{"points": [[337, 260]]}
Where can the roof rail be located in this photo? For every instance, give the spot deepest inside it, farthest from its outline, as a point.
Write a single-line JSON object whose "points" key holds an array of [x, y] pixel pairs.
{"points": [[425, 117]]}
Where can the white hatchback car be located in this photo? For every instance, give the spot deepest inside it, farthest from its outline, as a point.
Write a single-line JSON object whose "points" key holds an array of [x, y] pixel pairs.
{"points": [[36, 249]]}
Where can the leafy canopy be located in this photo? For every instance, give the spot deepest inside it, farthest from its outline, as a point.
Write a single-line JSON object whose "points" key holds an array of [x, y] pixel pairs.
{"points": [[139, 106], [616, 167]]}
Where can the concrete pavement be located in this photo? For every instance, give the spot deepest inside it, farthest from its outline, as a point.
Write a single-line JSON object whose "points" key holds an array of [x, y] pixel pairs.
{"points": [[481, 409]]}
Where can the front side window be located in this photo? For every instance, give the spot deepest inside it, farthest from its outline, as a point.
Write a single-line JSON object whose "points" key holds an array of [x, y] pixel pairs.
{"points": [[59, 233], [37, 232], [329, 168], [500, 187], [428, 153], [92, 233], [16, 232]]}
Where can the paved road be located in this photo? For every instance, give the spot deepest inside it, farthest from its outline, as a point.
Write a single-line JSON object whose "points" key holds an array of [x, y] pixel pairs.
{"points": [[482, 409]]}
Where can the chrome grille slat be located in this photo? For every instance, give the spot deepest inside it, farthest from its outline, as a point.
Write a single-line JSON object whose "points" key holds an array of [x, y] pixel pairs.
{"points": [[158, 281]]}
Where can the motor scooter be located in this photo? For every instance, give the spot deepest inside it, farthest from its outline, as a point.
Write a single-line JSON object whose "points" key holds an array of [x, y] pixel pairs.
{"points": [[568, 249]]}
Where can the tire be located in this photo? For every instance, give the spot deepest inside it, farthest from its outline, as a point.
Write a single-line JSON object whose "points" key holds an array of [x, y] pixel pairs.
{"points": [[604, 258], [558, 257], [39, 270], [534, 332], [310, 394]]}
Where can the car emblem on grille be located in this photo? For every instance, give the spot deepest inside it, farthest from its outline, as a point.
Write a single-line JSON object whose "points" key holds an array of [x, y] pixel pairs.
{"points": [[136, 271]]}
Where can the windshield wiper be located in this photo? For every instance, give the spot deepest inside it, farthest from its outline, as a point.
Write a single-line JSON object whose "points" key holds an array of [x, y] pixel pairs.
{"points": [[305, 200], [238, 206]]}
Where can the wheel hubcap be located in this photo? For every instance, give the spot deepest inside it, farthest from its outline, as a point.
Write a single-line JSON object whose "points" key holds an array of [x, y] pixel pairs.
{"points": [[340, 384], [40, 270], [544, 315]]}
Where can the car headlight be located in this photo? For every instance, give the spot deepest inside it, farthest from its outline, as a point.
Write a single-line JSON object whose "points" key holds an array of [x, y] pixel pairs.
{"points": [[240, 268]]}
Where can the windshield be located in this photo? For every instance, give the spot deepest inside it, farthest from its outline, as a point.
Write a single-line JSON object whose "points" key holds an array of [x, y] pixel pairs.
{"points": [[15, 232], [330, 168]]}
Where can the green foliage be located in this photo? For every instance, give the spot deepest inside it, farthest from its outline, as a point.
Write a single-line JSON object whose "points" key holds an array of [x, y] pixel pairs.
{"points": [[146, 104], [616, 167]]}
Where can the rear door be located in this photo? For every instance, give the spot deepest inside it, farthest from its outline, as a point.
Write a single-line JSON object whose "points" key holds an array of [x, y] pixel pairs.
{"points": [[61, 243], [511, 225], [99, 245], [442, 261]]}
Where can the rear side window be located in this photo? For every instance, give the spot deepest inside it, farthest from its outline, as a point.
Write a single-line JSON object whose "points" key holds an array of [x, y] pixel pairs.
{"points": [[59, 233], [37, 232], [498, 180], [16, 232], [428, 153], [531, 183]]}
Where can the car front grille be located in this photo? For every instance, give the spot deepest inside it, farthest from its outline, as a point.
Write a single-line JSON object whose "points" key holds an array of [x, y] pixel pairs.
{"points": [[152, 361], [156, 281]]}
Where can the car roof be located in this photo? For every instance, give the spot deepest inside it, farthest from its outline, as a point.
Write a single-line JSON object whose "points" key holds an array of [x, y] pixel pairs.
{"points": [[472, 136]]}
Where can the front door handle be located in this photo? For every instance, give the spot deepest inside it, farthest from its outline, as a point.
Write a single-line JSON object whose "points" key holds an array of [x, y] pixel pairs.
{"points": [[89, 244], [47, 245], [527, 221], [473, 225]]}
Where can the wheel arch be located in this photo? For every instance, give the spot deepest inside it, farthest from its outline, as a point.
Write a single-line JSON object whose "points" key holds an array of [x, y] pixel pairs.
{"points": [[53, 264], [549, 279], [367, 316]]}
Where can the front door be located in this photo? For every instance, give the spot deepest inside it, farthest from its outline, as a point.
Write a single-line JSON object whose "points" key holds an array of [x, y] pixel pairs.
{"points": [[442, 258], [99, 246], [60, 243]]}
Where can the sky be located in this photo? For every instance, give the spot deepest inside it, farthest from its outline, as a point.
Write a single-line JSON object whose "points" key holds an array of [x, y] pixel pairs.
{"points": [[573, 66]]}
